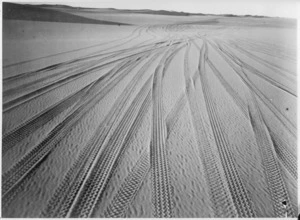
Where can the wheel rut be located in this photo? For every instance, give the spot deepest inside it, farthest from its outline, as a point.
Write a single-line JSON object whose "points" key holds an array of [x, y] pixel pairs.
{"points": [[87, 157], [234, 63], [14, 177], [129, 188], [162, 194], [272, 170], [220, 195], [237, 188]]}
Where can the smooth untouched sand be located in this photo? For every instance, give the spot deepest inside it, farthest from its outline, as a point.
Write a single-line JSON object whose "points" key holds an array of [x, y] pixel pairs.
{"points": [[172, 116]]}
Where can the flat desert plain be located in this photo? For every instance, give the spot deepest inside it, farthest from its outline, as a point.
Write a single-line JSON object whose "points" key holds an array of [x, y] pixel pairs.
{"points": [[120, 113]]}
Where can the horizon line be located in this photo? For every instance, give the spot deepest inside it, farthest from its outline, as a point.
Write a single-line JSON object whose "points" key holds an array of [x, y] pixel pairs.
{"points": [[115, 8]]}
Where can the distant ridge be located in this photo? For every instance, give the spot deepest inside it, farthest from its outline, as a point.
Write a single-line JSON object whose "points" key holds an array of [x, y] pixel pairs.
{"points": [[150, 11], [55, 5], [12, 11], [159, 12], [58, 6], [253, 16], [138, 11]]}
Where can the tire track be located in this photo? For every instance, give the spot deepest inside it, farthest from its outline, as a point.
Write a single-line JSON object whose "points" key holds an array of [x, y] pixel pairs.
{"points": [[281, 149], [80, 49], [280, 146], [78, 64], [28, 127], [175, 112], [57, 65], [188, 80], [9, 105], [272, 171], [100, 171], [238, 191], [261, 48], [85, 183], [60, 82], [233, 61], [170, 58], [71, 69], [234, 95], [267, 78], [288, 159], [22, 131], [16, 176], [220, 196], [262, 61], [162, 194], [63, 198], [129, 188]]}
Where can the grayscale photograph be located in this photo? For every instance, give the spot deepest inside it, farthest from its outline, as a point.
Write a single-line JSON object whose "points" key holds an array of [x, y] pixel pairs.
{"points": [[149, 109]]}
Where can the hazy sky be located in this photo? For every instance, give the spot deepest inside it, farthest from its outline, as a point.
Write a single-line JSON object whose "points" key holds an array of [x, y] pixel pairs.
{"points": [[280, 8]]}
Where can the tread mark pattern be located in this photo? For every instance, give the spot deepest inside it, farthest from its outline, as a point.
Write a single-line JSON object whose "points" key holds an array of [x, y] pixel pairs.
{"points": [[175, 112], [14, 177], [238, 191], [162, 194], [233, 61], [220, 195], [100, 171], [272, 171], [90, 151], [129, 188]]}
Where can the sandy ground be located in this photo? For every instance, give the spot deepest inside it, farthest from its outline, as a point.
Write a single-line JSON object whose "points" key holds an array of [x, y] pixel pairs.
{"points": [[171, 116]]}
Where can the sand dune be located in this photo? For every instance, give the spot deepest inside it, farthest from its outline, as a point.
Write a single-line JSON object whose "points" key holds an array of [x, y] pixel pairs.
{"points": [[34, 13], [181, 116]]}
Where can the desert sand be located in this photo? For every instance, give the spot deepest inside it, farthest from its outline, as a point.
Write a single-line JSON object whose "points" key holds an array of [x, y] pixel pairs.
{"points": [[119, 113]]}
